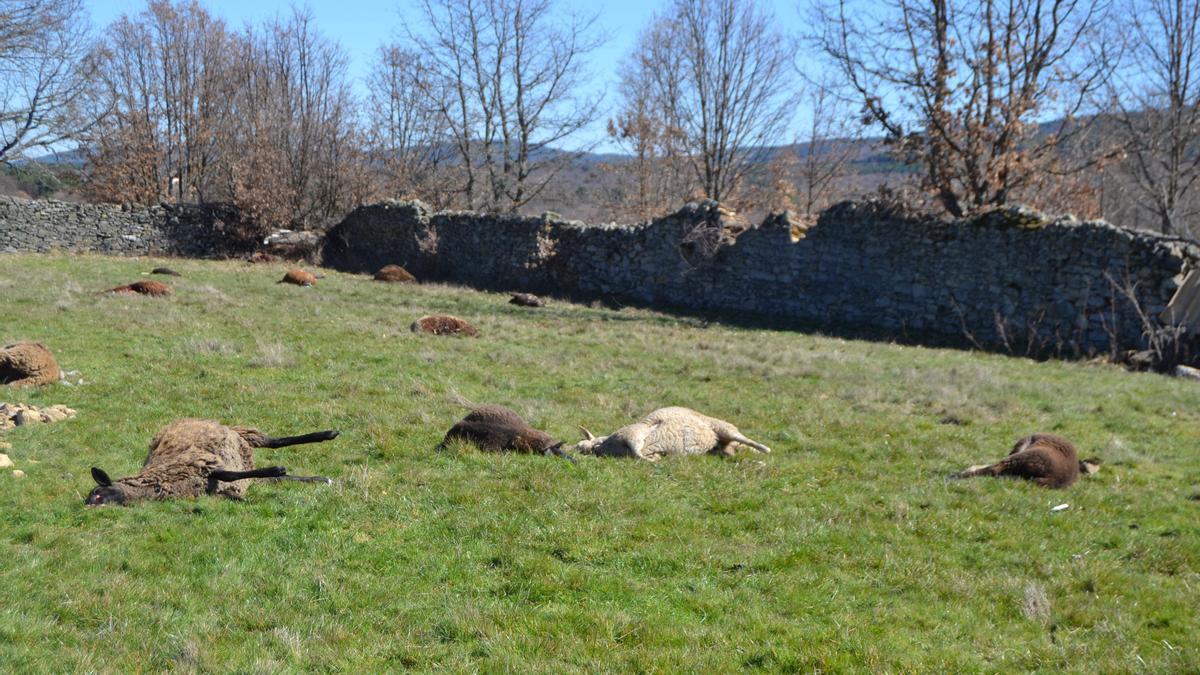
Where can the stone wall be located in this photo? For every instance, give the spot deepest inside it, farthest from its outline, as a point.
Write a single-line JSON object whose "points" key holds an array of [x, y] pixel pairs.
{"points": [[1008, 281], [184, 230]]}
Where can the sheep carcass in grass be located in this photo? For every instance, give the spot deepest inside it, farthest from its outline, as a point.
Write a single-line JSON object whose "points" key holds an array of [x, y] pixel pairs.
{"points": [[1048, 460], [498, 429], [28, 364], [443, 324], [669, 431], [299, 277], [154, 289], [190, 458]]}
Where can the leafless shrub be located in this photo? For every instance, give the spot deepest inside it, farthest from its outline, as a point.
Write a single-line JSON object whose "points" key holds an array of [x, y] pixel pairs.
{"points": [[718, 229], [1166, 346]]}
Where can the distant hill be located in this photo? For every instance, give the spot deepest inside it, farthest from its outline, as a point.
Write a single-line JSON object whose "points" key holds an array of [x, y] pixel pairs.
{"points": [[69, 158]]}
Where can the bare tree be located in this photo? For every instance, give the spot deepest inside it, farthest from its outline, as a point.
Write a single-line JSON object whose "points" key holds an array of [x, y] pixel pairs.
{"points": [[263, 118], [506, 76], [296, 109], [45, 66], [165, 75], [721, 71], [659, 175], [1157, 105], [829, 144], [966, 88], [409, 144]]}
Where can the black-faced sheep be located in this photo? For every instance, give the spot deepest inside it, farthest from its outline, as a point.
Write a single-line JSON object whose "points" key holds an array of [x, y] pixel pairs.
{"points": [[28, 364], [1048, 460], [299, 277], [443, 324], [154, 289], [395, 273], [668, 431], [497, 429], [190, 458]]}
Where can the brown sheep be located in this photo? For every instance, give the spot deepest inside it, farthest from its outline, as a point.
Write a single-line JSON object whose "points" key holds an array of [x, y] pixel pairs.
{"points": [[154, 289], [497, 429], [443, 324], [299, 277], [395, 273], [669, 431], [526, 300], [1048, 460], [190, 458], [28, 364]]}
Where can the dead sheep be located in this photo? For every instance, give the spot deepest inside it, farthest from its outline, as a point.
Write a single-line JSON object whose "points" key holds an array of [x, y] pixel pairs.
{"points": [[298, 277], [526, 300], [668, 431], [28, 364], [191, 457], [395, 273], [1048, 460], [154, 289], [495, 428], [443, 324]]}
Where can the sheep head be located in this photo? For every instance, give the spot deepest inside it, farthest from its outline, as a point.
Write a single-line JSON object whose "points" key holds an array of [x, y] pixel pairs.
{"points": [[106, 491], [1089, 466], [589, 443]]}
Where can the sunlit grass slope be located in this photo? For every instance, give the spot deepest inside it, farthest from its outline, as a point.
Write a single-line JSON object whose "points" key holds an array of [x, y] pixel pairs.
{"points": [[846, 549]]}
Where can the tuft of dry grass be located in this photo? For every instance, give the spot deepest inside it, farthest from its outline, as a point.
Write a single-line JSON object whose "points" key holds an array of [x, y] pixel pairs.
{"points": [[271, 355], [1036, 604]]}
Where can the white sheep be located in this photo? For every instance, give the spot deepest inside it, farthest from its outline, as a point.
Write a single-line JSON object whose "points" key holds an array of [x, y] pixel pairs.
{"points": [[668, 431]]}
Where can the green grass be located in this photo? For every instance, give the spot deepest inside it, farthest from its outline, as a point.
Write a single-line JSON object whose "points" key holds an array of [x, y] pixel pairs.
{"points": [[846, 549]]}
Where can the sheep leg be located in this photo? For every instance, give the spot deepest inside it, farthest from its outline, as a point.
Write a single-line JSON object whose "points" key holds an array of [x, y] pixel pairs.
{"points": [[305, 479], [230, 476], [752, 444], [636, 443], [222, 476], [977, 470], [315, 437]]}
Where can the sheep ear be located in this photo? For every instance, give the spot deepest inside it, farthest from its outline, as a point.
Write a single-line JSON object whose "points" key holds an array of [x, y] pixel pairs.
{"points": [[100, 477], [587, 435]]}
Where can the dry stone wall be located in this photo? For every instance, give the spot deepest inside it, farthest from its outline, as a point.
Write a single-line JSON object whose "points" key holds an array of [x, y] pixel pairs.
{"points": [[1006, 281], [184, 230]]}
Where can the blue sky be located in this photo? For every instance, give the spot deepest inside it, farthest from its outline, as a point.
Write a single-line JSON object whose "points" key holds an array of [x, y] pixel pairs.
{"points": [[361, 25]]}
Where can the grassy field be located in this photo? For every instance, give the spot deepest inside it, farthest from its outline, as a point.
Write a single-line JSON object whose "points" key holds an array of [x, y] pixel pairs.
{"points": [[846, 549]]}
